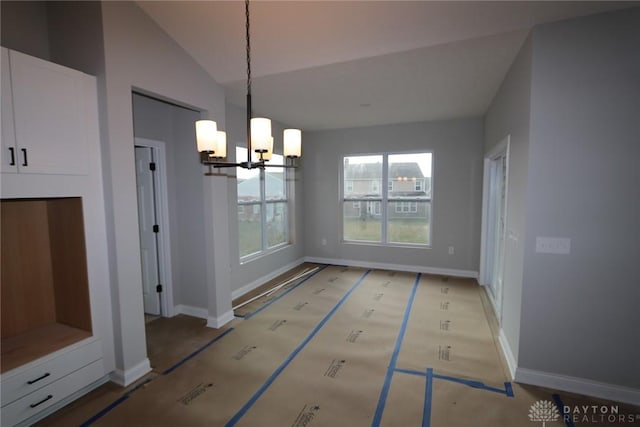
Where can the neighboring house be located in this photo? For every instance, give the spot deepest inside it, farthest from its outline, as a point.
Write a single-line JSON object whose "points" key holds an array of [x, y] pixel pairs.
{"points": [[249, 194], [408, 190]]}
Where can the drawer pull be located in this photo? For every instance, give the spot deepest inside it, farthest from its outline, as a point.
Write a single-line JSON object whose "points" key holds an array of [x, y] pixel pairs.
{"points": [[38, 379], [33, 405]]}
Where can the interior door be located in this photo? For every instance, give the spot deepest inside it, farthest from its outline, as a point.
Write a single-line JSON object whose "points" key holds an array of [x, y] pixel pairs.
{"points": [[148, 237], [498, 202]]}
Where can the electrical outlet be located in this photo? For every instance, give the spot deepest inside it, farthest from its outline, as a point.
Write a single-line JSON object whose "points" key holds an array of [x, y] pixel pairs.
{"points": [[553, 245], [452, 250], [324, 242]]}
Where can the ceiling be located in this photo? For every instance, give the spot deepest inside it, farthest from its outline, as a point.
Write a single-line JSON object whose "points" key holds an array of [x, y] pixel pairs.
{"points": [[336, 64]]}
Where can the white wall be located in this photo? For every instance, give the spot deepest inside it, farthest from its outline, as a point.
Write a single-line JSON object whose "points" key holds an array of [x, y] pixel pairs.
{"points": [[258, 270], [580, 311], [457, 147], [139, 55], [508, 114]]}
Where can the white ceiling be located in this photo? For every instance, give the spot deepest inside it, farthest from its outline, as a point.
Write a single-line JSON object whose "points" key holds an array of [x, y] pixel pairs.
{"points": [[336, 64]]}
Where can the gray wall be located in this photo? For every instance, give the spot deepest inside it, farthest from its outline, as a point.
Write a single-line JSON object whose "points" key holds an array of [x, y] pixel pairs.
{"points": [[580, 311], [174, 125], [457, 147], [255, 270], [508, 115], [25, 28]]}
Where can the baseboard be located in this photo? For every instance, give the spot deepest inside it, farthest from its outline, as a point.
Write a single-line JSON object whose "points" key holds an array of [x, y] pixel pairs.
{"points": [[218, 322], [125, 378], [578, 385], [264, 279], [397, 267], [201, 313], [508, 354]]}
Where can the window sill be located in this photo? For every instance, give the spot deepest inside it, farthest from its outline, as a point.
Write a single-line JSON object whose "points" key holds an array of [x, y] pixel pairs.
{"points": [[386, 245]]}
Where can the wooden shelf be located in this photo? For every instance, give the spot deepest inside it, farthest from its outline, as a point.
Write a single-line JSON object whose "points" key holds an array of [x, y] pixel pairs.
{"points": [[38, 342]]}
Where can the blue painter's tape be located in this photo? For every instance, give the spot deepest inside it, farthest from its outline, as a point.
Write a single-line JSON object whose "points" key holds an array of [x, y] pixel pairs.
{"points": [[428, 393], [382, 400], [410, 372], [250, 315], [558, 401], [475, 384], [116, 403], [509, 389], [293, 354], [207, 345]]}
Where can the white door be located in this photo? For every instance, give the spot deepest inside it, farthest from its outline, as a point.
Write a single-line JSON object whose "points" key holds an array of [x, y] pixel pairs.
{"points": [[498, 199], [147, 219], [494, 223]]}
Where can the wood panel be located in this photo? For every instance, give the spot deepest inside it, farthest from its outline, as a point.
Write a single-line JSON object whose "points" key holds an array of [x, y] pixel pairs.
{"points": [[69, 262], [26, 279]]}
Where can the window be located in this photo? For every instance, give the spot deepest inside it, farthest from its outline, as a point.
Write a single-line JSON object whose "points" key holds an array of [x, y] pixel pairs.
{"points": [[399, 214], [262, 207]]}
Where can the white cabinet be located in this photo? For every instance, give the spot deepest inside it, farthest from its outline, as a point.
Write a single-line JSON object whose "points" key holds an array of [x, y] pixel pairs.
{"points": [[48, 382], [43, 125]]}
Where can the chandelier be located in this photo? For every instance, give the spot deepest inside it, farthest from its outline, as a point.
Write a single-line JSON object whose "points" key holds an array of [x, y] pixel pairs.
{"points": [[212, 143]]}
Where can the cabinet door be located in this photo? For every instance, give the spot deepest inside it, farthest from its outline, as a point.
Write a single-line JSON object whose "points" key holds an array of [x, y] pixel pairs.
{"points": [[50, 127], [8, 157]]}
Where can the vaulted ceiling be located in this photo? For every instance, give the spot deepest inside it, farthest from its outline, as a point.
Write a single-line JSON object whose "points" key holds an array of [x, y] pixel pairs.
{"points": [[335, 64]]}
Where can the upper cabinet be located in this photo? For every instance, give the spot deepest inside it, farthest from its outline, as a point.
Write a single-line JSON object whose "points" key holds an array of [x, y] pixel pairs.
{"points": [[44, 129]]}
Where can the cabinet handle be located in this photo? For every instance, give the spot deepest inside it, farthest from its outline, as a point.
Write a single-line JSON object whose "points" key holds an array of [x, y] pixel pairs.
{"points": [[13, 156], [24, 154], [38, 379], [33, 405]]}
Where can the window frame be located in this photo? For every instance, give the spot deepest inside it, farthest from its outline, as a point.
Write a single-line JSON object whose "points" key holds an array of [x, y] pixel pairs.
{"points": [[384, 201], [262, 205]]}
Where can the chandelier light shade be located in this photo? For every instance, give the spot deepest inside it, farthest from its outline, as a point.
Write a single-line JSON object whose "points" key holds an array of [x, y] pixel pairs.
{"points": [[260, 134], [221, 145], [206, 135], [213, 143], [292, 143], [266, 156]]}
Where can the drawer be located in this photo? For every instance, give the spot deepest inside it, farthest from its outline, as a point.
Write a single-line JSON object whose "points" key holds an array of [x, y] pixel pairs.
{"points": [[51, 394], [29, 378]]}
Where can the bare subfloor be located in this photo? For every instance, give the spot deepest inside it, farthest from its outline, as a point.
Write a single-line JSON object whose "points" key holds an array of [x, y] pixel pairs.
{"points": [[341, 347]]}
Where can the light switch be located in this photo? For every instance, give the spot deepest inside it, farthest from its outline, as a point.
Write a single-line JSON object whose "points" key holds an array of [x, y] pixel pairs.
{"points": [[553, 245]]}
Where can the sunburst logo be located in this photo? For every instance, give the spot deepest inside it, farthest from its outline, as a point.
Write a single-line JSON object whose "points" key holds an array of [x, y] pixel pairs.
{"points": [[543, 411]]}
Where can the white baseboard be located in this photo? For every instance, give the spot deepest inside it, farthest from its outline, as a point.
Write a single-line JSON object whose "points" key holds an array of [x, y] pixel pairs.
{"points": [[508, 354], [578, 385], [397, 267], [199, 312], [125, 378], [220, 321], [264, 279]]}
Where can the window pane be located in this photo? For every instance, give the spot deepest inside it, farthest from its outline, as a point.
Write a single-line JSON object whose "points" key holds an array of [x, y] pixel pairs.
{"points": [[362, 177], [276, 223], [362, 223], [249, 229], [248, 179], [408, 222], [275, 179], [410, 176]]}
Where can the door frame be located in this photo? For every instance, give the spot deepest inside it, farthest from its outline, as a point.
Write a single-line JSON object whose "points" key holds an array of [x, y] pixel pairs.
{"points": [[162, 212], [487, 248]]}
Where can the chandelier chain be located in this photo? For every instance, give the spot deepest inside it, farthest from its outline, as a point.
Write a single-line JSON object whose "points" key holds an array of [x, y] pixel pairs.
{"points": [[246, 7]]}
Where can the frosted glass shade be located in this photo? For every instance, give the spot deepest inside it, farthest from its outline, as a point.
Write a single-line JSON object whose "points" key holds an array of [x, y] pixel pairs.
{"points": [[221, 144], [292, 143], [206, 135], [267, 155], [260, 134]]}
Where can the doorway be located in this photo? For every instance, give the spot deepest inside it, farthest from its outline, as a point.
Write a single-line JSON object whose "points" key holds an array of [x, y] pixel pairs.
{"points": [[494, 219], [153, 220]]}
